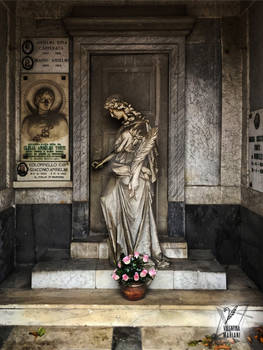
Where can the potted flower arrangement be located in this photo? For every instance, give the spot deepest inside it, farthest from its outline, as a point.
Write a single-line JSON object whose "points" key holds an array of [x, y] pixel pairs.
{"points": [[133, 274]]}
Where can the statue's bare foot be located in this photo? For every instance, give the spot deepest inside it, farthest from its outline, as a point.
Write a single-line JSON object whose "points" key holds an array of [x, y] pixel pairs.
{"points": [[162, 262]]}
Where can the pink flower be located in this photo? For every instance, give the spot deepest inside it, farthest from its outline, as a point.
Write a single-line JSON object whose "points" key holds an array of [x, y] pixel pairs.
{"points": [[126, 260], [136, 276], [136, 255], [143, 273], [119, 264], [115, 270], [115, 277], [152, 272], [145, 258], [125, 277]]}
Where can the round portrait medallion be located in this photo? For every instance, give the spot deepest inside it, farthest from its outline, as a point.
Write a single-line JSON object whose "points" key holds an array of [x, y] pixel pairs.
{"points": [[27, 47]]}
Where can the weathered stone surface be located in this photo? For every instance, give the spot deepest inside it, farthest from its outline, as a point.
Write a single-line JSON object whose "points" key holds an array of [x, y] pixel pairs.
{"points": [[80, 220], [203, 104], [167, 338], [176, 219], [43, 196], [63, 279], [57, 338], [6, 198], [4, 93], [231, 104], [107, 308], [213, 195], [85, 250], [40, 228], [252, 245], [95, 273], [255, 56], [215, 227], [99, 249], [7, 242]]}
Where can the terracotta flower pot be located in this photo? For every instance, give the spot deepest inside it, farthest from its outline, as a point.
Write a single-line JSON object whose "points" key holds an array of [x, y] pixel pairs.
{"points": [[134, 291]]}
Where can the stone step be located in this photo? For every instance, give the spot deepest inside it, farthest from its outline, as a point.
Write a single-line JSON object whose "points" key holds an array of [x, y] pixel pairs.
{"points": [[96, 273], [98, 248]]}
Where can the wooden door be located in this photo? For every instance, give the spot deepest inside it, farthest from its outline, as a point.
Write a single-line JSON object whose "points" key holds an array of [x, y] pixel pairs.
{"points": [[142, 80]]}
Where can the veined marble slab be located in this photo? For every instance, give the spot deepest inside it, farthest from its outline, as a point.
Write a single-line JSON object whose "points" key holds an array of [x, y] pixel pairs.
{"points": [[96, 273], [100, 250]]}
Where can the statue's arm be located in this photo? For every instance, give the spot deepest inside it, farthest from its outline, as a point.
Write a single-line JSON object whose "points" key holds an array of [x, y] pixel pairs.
{"points": [[120, 144], [96, 164]]}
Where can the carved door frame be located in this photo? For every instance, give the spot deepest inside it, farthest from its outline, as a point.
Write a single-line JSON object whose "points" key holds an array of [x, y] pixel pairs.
{"points": [[83, 48]]}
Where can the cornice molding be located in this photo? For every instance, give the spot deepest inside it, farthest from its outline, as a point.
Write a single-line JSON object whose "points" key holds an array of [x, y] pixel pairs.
{"points": [[82, 26]]}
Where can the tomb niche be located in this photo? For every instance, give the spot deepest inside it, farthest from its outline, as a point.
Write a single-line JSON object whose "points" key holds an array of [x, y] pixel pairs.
{"points": [[138, 53]]}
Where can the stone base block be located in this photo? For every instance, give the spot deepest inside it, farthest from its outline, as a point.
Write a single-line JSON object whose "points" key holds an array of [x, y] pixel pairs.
{"points": [[96, 273], [100, 250]]}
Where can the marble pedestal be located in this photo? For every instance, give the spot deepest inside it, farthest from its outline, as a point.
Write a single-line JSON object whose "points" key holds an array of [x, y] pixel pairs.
{"points": [[187, 274], [97, 248]]}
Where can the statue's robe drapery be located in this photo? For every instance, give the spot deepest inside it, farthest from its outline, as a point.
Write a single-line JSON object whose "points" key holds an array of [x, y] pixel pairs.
{"points": [[127, 199]]}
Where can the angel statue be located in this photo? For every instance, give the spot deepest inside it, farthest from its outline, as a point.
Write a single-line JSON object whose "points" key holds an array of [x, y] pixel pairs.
{"points": [[127, 199]]}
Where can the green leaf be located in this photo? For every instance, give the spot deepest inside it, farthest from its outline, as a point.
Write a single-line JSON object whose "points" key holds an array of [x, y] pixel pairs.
{"points": [[41, 331], [194, 342]]}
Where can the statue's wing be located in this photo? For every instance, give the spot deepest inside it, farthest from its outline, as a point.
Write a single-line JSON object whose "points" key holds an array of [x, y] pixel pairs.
{"points": [[144, 149]]}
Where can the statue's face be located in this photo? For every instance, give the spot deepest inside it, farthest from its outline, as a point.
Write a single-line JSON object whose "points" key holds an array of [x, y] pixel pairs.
{"points": [[45, 102], [115, 113]]}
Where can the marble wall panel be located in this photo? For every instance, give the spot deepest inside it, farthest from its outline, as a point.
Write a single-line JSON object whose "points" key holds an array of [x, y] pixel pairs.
{"points": [[231, 103], [7, 232], [43, 196], [256, 55], [212, 195], [3, 93], [203, 104]]}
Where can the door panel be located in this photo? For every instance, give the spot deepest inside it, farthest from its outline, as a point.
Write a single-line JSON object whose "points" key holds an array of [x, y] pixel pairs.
{"points": [[142, 80]]}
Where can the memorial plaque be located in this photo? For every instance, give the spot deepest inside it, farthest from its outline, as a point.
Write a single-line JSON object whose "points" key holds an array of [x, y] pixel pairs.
{"points": [[44, 128], [45, 55], [43, 171], [255, 138]]}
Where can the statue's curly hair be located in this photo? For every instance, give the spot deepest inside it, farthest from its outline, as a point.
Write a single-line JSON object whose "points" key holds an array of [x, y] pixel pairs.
{"points": [[117, 102]]}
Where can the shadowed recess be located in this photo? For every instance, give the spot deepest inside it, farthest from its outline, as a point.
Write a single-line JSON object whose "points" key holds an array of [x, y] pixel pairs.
{"points": [[126, 338]]}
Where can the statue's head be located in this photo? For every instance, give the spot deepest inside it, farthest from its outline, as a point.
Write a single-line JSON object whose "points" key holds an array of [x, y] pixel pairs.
{"points": [[44, 99], [121, 109]]}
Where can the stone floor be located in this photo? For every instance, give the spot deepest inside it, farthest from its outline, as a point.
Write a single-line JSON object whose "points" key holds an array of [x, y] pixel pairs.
{"points": [[102, 319], [107, 338]]}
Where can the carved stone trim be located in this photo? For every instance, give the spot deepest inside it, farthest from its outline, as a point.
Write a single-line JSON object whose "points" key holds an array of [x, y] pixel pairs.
{"points": [[86, 46], [78, 26]]}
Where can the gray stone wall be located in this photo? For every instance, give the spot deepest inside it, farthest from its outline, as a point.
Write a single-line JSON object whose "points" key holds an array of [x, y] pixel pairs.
{"points": [[253, 92], [42, 232], [203, 104], [252, 84], [252, 245], [213, 137], [215, 227], [7, 230], [213, 109], [7, 98], [214, 112], [7, 126]]}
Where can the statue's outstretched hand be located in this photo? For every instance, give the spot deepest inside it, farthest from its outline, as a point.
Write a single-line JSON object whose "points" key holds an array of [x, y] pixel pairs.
{"points": [[96, 164]]}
